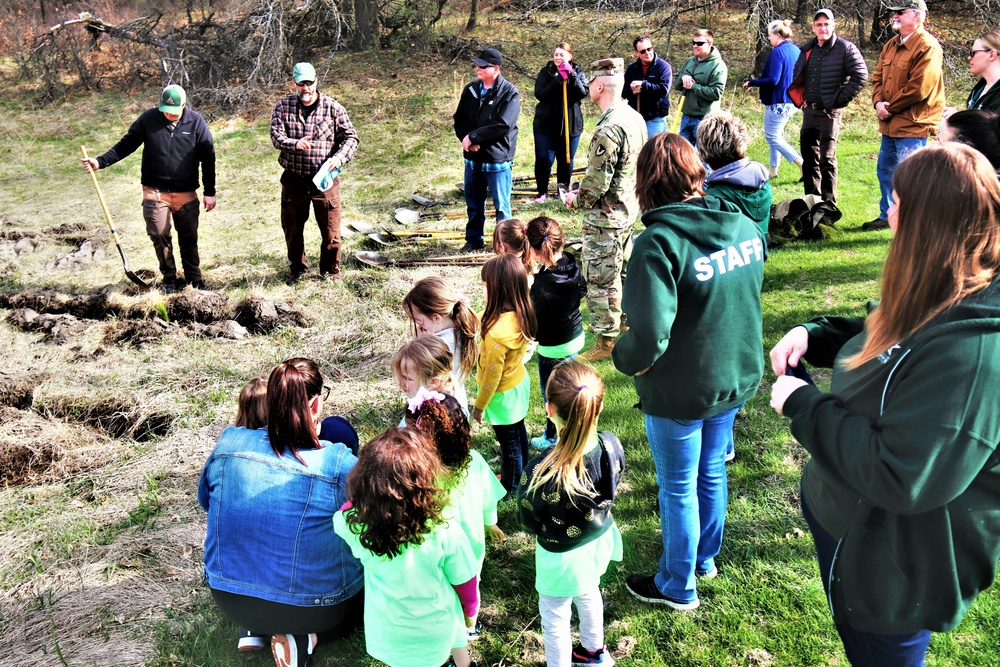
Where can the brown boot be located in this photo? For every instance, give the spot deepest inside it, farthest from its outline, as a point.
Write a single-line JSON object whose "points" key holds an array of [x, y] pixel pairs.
{"points": [[601, 350]]}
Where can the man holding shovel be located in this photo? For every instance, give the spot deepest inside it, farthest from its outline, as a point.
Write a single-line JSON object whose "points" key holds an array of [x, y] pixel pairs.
{"points": [[175, 141], [607, 196], [313, 133], [647, 86]]}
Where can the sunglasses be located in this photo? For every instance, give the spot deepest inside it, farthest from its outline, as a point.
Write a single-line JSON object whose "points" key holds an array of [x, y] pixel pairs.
{"points": [[698, 43], [643, 52], [326, 391], [900, 12], [305, 84], [973, 52]]}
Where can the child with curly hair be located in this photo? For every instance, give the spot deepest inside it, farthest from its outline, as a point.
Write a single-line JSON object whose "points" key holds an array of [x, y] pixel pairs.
{"points": [[421, 588], [473, 490], [565, 499]]}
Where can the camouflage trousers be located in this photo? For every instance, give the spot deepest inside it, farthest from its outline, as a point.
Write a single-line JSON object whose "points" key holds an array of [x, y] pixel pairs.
{"points": [[605, 260]]}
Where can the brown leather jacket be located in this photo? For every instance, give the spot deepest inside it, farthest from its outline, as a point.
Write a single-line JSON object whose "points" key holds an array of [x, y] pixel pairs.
{"points": [[909, 77]]}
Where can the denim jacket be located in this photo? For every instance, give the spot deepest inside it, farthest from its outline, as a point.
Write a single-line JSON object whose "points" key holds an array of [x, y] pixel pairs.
{"points": [[270, 521]]}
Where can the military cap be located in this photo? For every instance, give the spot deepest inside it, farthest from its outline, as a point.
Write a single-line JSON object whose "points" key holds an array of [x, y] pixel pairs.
{"points": [[607, 67]]}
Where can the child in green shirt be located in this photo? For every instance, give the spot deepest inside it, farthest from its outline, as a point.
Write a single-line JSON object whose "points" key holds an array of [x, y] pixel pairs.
{"points": [[421, 587]]}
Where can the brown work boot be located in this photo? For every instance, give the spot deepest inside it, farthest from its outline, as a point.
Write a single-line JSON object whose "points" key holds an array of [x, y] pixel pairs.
{"points": [[601, 350]]}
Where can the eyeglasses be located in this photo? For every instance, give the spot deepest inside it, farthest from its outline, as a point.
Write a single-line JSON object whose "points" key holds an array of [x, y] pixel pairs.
{"points": [[305, 84], [326, 391], [973, 52], [643, 52], [698, 43]]}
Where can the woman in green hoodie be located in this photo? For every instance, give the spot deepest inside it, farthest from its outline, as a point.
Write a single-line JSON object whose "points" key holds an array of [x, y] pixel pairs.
{"points": [[692, 300], [902, 493]]}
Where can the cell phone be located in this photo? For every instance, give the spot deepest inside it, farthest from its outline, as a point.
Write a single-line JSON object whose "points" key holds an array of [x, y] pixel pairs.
{"points": [[799, 372]]}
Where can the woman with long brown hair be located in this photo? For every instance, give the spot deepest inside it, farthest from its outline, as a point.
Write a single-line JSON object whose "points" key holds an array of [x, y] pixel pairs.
{"points": [[272, 560], [902, 493]]}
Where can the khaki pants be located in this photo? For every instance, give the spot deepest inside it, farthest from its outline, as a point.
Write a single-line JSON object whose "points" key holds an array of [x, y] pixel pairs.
{"points": [[157, 209]]}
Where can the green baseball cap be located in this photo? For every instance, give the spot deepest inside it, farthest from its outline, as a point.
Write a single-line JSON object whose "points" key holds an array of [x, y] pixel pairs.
{"points": [[918, 5], [303, 72], [172, 99]]}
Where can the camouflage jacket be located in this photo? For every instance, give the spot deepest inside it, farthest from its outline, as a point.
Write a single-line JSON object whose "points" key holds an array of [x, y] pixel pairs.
{"points": [[609, 184]]}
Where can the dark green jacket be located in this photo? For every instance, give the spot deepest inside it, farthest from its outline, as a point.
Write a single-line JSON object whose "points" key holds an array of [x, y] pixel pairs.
{"points": [[710, 76], [904, 467], [692, 303]]}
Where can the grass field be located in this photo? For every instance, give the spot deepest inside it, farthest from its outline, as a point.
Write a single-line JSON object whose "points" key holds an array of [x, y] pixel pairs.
{"points": [[100, 544]]}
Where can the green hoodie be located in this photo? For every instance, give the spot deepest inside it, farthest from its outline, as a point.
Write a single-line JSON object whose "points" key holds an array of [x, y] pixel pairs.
{"points": [[692, 301], [710, 77], [904, 468]]}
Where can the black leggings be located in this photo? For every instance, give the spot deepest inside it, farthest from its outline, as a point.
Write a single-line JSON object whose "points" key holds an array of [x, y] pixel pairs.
{"points": [[263, 617]]}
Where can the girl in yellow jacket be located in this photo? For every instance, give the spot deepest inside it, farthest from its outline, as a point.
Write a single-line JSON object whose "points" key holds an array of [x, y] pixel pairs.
{"points": [[508, 324]]}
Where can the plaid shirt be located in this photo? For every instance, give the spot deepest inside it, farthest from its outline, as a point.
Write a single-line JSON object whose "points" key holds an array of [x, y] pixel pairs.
{"points": [[328, 126]]}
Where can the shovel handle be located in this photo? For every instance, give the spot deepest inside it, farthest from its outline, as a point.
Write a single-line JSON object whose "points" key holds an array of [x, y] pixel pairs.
{"points": [[100, 195]]}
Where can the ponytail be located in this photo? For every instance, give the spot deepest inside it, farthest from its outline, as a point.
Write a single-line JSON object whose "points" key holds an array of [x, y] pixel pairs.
{"points": [[291, 386], [433, 296], [545, 237], [576, 392]]}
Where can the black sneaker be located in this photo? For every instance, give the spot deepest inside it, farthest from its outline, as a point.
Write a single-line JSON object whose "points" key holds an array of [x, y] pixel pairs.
{"points": [[875, 225], [293, 278], [644, 588], [582, 656], [167, 286], [199, 284], [472, 247]]}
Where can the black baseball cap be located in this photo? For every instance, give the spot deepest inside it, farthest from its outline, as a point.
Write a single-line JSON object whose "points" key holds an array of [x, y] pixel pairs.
{"points": [[489, 57]]}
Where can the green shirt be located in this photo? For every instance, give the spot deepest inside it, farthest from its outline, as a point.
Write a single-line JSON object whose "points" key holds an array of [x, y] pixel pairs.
{"points": [[413, 617], [473, 503]]}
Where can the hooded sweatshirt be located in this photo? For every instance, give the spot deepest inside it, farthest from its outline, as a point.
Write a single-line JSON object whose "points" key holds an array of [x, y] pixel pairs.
{"points": [[692, 300], [556, 294], [710, 77], [904, 468], [501, 359], [744, 184]]}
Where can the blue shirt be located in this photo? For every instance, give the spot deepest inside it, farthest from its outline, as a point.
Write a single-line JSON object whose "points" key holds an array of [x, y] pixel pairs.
{"points": [[270, 521]]}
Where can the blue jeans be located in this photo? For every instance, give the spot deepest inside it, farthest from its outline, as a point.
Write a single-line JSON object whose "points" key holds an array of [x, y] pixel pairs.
{"points": [[865, 649], [476, 185], [890, 154], [513, 439], [689, 457], [545, 367], [776, 116], [689, 128], [655, 126], [552, 148]]}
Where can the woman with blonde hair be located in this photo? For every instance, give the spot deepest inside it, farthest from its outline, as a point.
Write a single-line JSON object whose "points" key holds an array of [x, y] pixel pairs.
{"points": [[773, 82], [902, 493], [984, 61]]}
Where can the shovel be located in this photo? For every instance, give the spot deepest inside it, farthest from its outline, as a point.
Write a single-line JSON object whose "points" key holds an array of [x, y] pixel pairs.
{"points": [[107, 216], [430, 203], [381, 261], [407, 216]]}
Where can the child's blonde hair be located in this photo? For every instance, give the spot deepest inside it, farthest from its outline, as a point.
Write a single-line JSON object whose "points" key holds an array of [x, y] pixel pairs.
{"points": [[576, 391], [251, 409], [429, 358], [510, 238], [433, 296]]}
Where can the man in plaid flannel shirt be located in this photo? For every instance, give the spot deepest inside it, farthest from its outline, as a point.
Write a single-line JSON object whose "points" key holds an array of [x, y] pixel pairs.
{"points": [[310, 128]]}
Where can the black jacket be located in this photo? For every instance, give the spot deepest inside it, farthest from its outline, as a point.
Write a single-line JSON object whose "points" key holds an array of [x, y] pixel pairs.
{"points": [[654, 98], [560, 523], [169, 159], [548, 92], [556, 295], [843, 72], [490, 122], [990, 101]]}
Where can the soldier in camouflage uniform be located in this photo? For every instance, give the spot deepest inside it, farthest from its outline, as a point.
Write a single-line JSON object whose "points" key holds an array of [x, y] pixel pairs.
{"points": [[607, 195]]}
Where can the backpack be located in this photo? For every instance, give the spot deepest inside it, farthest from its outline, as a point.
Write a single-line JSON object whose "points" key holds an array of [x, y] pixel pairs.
{"points": [[808, 217]]}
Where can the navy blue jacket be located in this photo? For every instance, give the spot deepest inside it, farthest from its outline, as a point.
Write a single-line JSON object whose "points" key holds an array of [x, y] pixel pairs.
{"points": [[490, 122], [654, 98], [777, 75], [169, 159]]}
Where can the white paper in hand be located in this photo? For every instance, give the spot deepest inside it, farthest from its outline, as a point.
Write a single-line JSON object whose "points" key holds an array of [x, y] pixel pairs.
{"points": [[324, 177]]}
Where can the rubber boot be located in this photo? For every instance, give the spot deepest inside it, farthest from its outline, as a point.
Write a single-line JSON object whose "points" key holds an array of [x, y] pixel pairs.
{"points": [[601, 350]]}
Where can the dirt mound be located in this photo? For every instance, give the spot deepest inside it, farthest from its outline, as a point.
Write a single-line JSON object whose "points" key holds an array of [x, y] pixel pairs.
{"points": [[261, 316], [17, 390], [198, 306], [129, 416], [15, 247], [230, 329], [34, 449], [138, 332], [87, 253], [58, 329], [89, 305]]}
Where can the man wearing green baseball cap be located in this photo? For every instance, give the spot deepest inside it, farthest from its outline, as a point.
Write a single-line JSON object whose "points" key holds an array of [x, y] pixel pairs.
{"points": [[175, 140], [313, 133]]}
